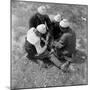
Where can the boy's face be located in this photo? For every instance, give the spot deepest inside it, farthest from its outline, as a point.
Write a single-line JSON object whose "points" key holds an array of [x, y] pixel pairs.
{"points": [[38, 33], [43, 11], [63, 29]]}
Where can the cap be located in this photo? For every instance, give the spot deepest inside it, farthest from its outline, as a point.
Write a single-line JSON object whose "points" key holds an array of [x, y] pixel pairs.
{"points": [[41, 28]]}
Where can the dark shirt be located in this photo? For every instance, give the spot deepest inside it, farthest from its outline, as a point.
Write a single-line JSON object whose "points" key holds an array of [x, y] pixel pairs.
{"points": [[56, 32], [67, 42], [37, 19]]}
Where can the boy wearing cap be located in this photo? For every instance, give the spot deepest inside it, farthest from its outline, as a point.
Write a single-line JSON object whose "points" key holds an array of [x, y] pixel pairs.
{"points": [[33, 39], [66, 45], [40, 18], [56, 28]]}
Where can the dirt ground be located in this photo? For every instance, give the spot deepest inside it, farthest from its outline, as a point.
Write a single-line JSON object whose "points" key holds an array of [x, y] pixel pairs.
{"points": [[28, 74]]}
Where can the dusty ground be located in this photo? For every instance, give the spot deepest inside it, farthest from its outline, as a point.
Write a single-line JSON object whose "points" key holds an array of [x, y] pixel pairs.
{"points": [[27, 74]]}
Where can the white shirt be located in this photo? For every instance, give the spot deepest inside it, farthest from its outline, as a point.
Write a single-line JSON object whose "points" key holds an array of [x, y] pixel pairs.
{"points": [[35, 40], [31, 36]]}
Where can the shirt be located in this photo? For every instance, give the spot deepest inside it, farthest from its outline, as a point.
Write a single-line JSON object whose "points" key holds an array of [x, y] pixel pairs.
{"points": [[33, 39], [67, 42], [31, 36]]}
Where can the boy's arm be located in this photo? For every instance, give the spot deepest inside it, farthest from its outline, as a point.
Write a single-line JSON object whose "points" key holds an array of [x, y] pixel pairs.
{"points": [[40, 49], [63, 41]]}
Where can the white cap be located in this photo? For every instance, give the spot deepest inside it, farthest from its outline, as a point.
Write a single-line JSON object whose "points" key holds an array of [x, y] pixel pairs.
{"points": [[64, 23], [41, 28], [57, 18], [42, 10]]}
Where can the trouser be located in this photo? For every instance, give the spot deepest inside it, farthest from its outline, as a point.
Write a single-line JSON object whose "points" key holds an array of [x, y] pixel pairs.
{"points": [[63, 55], [32, 53], [30, 49]]}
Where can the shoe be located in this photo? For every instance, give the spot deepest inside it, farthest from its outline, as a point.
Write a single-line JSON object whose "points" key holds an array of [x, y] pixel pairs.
{"points": [[65, 66]]}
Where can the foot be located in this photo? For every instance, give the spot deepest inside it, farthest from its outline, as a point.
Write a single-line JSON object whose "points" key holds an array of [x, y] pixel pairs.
{"points": [[65, 66]]}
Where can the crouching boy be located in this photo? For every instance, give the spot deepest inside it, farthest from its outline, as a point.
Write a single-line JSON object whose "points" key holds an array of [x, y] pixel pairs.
{"points": [[65, 46], [33, 42]]}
